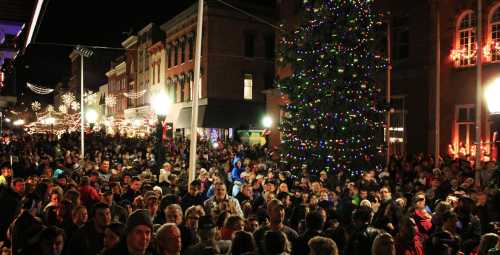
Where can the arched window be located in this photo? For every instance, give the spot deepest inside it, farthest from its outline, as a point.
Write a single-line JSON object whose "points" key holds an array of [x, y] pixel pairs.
{"points": [[466, 39], [495, 33]]}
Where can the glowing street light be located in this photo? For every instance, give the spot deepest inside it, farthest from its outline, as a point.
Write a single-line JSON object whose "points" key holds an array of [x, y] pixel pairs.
{"points": [[161, 104], [267, 121], [18, 122], [492, 94], [91, 116]]}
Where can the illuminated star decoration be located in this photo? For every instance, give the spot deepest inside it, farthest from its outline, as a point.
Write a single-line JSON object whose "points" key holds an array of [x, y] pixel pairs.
{"points": [[90, 98], [36, 106], [50, 108], [68, 98], [75, 106]]}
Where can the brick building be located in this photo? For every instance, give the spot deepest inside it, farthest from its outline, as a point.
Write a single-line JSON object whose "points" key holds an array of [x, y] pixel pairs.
{"points": [[237, 64], [413, 40], [117, 85]]}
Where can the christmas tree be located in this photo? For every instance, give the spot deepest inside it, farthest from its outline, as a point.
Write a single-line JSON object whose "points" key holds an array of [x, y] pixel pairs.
{"points": [[333, 119]]}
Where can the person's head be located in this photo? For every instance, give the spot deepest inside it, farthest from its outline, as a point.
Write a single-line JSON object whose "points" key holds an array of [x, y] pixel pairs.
{"points": [[276, 211], [315, 187], [247, 190], [80, 215], [6, 170], [18, 185], [322, 246], [251, 224], [243, 242], [113, 233], [488, 241], [383, 245], [314, 221], [104, 166], [275, 242], [139, 229], [135, 184], [195, 187], [173, 214], [51, 241], [152, 201], [192, 215], [220, 190], [385, 193], [169, 238], [362, 216], [102, 215], [235, 223], [419, 201], [206, 228]]}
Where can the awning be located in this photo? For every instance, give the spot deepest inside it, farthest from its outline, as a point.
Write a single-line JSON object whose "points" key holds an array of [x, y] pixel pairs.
{"points": [[223, 114]]}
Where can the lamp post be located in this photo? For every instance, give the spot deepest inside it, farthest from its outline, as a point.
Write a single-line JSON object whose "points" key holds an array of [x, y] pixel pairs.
{"points": [[84, 52], [161, 105], [492, 94]]}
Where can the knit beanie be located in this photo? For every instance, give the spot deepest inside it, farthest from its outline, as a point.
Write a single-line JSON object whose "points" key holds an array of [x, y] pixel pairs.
{"points": [[139, 217]]}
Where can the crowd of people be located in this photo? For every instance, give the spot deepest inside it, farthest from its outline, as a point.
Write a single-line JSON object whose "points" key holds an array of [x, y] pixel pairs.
{"points": [[120, 200]]}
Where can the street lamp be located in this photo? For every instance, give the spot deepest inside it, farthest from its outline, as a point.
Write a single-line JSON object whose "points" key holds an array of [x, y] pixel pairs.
{"points": [[492, 95], [267, 123], [18, 122], [91, 116], [84, 52], [161, 105]]}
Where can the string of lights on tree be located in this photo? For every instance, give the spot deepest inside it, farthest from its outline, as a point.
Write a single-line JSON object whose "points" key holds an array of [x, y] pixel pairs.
{"points": [[333, 120]]}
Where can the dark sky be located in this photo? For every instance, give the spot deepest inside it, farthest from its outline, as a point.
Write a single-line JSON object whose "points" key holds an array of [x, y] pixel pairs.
{"points": [[88, 22]]}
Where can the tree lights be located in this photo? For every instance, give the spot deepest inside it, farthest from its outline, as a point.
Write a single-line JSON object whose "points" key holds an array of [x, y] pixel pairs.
{"points": [[333, 120]]}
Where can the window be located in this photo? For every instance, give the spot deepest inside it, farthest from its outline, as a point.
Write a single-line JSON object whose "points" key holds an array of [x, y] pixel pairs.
{"points": [[269, 46], [176, 54], [495, 34], [465, 117], [401, 38], [249, 45], [183, 53], [466, 39], [191, 48], [169, 58], [248, 85]]}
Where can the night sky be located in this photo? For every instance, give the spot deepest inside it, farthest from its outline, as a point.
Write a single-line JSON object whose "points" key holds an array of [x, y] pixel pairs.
{"points": [[89, 22]]}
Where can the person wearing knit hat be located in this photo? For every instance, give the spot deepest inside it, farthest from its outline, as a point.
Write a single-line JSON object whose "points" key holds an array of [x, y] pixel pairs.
{"points": [[138, 231]]}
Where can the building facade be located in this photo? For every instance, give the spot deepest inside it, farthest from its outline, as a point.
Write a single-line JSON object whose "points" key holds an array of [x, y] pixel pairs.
{"points": [[413, 39], [237, 64], [117, 86]]}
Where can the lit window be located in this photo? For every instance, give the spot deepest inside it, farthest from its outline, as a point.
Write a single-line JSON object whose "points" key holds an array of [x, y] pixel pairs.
{"points": [[495, 34], [248, 85], [465, 52], [465, 122]]}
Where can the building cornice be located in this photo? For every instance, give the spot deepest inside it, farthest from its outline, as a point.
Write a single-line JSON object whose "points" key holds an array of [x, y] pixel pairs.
{"points": [[129, 42], [146, 28]]}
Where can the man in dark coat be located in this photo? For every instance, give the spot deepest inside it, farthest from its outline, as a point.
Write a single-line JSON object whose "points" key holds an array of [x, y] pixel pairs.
{"points": [[10, 199]]}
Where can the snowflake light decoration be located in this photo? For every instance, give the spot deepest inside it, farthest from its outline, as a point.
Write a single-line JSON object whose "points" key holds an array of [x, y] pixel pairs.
{"points": [[63, 108], [111, 100], [68, 98], [50, 108], [90, 98], [75, 106], [36, 106]]}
